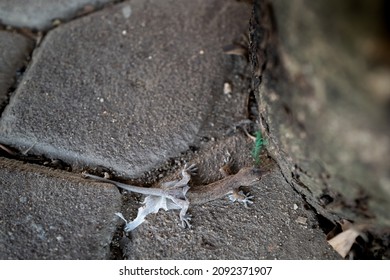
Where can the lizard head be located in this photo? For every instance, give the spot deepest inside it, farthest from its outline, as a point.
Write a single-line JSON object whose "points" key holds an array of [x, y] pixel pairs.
{"points": [[250, 175]]}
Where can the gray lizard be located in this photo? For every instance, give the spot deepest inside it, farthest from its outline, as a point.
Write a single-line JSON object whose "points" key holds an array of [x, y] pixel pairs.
{"points": [[178, 195]]}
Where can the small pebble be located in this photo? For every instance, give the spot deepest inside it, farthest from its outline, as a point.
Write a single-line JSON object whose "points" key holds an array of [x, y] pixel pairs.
{"points": [[227, 88], [301, 220]]}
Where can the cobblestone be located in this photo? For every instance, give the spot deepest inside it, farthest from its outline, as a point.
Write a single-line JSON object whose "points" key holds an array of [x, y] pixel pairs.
{"points": [[48, 214]]}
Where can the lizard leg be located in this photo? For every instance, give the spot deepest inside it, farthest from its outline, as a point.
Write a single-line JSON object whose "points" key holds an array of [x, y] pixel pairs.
{"points": [[186, 175], [243, 125], [184, 216], [240, 196], [151, 205], [228, 161]]}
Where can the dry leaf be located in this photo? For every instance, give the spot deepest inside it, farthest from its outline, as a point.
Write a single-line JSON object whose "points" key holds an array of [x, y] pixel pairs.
{"points": [[343, 242], [235, 49]]}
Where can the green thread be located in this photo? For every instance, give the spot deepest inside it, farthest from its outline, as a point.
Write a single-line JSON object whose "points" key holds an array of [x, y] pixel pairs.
{"points": [[259, 143]]}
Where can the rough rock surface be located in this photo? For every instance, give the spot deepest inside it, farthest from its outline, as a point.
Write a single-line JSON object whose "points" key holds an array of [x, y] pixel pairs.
{"points": [[128, 87], [324, 102], [14, 49], [41, 14], [49, 214]]}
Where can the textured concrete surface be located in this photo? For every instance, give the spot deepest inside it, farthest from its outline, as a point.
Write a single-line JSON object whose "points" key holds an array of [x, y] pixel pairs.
{"points": [[40, 14], [272, 228], [14, 50], [101, 88], [276, 226], [48, 214]]}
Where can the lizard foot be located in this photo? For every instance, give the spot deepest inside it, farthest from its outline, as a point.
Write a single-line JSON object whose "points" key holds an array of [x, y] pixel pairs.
{"points": [[243, 125], [186, 177], [192, 169], [240, 196], [185, 221], [228, 161]]}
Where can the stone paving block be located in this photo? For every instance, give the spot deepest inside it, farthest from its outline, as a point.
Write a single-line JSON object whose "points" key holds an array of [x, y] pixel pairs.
{"points": [[40, 14], [14, 51], [127, 87], [275, 226], [48, 214]]}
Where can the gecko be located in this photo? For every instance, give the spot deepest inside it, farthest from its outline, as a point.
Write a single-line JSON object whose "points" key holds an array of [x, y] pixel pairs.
{"points": [[177, 194]]}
